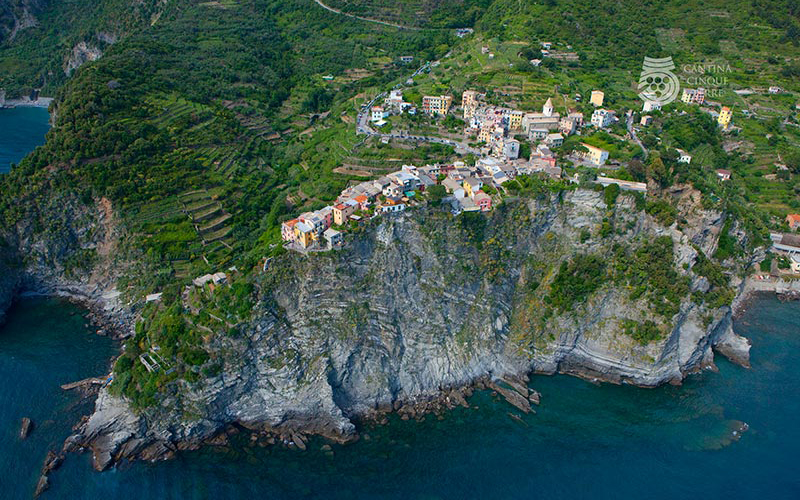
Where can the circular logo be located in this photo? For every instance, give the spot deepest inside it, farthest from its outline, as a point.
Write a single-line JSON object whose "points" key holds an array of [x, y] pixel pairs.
{"points": [[657, 82]]}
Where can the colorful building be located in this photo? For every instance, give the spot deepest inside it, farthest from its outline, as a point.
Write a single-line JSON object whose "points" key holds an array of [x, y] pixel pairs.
{"points": [[725, 116], [436, 105], [594, 155], [597, 98]]}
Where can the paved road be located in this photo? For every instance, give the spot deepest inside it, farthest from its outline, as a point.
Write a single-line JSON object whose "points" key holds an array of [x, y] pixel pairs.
{"points": [[629, 126], [368, 19], [364, 115]]}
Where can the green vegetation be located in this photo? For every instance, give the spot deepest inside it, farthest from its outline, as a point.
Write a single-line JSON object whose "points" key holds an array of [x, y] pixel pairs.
{"points": [[576, 280], [643, 332]]}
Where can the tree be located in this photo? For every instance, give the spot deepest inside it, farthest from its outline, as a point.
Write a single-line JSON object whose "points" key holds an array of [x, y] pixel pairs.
{"points": [[657, 171], [637, 170], [436, 193]]}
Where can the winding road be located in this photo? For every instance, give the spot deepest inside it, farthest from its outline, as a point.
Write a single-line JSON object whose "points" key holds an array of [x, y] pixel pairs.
{"points": [[367, 19]]}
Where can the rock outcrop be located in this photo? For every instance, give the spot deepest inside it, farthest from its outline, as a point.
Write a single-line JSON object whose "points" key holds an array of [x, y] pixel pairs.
{"points": [[416, 306]]}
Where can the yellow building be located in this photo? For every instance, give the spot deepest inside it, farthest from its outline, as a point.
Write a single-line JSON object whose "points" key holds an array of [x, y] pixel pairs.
{"points": [[594, 155], [485, 135], [725, 115], [304, 234], [597, 97], [469, 102], [515, 120], [471, 186], [436, 105]]}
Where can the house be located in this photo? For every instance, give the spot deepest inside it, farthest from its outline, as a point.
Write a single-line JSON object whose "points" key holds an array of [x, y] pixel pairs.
{"points": [[602, 118], [684, 157], [536, 62], [775, 90], [570, 123], [363, 202], [537, 134], [597, 98], [333, 237], [319, 221], [394, 189], [650, 106], [694, 96], [484, 49], [594, 155], [343, 211], [794, 263], [472, 185], [436, 105], [469, 102], [793, 220], [511, 149], [378, 113], [483, 201], [406, 59], [546, 45], [640, 187], [304, 234], [287, 230], [454, 187], [646, 120], [467, 205], [723, 174], [405, 178], [153, 297], [554, 140], [725, 115], [392, 207], [515, 120]]}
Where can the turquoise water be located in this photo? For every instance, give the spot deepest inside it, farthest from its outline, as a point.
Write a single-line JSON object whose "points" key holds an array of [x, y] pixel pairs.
{"points": [[603, 442], [21, 130]]}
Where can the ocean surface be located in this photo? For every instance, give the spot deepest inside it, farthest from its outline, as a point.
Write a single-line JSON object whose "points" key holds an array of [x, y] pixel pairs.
{"points": [[585, 441], [21, 130]]}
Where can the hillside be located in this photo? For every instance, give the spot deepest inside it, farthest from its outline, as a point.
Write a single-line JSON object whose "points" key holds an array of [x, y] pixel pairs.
{"points": [[205, 125]]}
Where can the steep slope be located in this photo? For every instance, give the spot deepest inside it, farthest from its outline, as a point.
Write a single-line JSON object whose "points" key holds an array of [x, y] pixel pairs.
{"points": [[421, 304]]}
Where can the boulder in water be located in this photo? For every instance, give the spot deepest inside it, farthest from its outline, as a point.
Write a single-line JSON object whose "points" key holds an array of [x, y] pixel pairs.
{"points": [[25, 428]]}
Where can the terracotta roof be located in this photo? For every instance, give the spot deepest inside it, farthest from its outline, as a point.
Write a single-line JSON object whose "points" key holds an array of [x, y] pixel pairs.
{"points": [[793, 217], [291, 223], [360, 198]]}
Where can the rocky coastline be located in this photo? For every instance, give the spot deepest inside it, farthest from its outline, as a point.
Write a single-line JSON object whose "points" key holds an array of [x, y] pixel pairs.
{"points": [[284, 405]]}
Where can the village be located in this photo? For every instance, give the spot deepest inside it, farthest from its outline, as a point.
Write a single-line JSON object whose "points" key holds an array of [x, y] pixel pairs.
{"points": [[471, 188]]}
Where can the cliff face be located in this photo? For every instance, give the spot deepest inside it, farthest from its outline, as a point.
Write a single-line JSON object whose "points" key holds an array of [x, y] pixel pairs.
{"points": [[61, 246], [420, 303]]}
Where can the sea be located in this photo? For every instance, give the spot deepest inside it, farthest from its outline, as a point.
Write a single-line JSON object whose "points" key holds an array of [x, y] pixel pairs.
{"points": [[21, 130], [598, 441]]}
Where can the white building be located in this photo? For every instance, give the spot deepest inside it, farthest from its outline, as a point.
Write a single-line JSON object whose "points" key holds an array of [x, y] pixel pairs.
{"points": [[378, 113], [684, 157], [602, 118], [511, 149], [651, 106]]}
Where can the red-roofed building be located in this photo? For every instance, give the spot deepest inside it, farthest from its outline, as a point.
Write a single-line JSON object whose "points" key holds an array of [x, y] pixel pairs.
{"points": [[287, 230], [483, 200], [363, 201], [723, 174], [793, 220]]}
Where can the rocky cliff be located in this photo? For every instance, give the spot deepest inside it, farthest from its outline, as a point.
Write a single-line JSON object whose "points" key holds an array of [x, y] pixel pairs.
{"points": [[422, 303]]}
